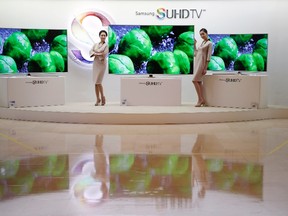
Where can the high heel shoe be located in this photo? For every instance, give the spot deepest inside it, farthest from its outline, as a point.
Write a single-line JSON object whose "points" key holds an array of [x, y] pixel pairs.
{"points": [[201, 104], [98, 102], [103, 101]]}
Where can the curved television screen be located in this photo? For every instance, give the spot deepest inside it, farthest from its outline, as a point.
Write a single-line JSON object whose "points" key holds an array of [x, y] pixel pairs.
{"points": [[239, 52], [151, 49], [32, 50]]}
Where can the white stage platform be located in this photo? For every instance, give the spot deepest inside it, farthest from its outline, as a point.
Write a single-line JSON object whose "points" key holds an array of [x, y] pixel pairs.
{"points": [[87, 113]]}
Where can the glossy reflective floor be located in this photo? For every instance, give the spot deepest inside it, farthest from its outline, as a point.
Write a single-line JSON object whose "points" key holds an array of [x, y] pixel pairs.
{"points": [[224, 169]]}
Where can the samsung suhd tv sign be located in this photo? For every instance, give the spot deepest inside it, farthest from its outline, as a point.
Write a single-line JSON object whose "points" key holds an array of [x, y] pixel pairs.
{"points": [[164, 13]]}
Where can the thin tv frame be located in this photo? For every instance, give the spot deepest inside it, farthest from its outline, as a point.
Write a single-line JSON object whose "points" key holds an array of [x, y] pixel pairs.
{"points": [[33, 50], [225, 59], [172, 49]]}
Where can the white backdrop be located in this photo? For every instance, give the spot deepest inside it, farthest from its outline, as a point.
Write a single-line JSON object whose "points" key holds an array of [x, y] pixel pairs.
{"points": [[220, 17]]}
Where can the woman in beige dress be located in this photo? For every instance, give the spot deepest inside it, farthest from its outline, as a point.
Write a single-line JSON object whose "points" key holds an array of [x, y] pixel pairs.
{"points": [[202, 58], [99, 51]]}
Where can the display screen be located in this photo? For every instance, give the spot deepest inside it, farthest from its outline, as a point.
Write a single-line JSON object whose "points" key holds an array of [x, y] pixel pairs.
{"points": [[151, 49], [33, 176], [32, 50], [239, 52]]}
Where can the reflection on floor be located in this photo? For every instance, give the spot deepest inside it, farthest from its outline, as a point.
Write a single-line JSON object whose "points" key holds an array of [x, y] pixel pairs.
{"points": [[208, 169]]}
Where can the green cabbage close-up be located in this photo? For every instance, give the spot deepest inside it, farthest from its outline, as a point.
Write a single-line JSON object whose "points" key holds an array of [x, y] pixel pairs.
{"points": [[112, 38], [216, 64], [7, 64], [185, 43], [163, 63], [35, 34], [241, 39], [182, 61], [120, 64], [18, 47], [156, 33], [136, 44], [261, 47], [245, 62], [41, 62], [226, 49]]}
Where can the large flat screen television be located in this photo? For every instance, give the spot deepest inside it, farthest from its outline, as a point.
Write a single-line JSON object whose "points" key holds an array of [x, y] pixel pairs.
{"points": [[32, 50], [239, 52], [151, 49]]}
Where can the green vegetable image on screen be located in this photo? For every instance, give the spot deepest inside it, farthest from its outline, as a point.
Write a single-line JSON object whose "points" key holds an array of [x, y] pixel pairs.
{"points": [[54, 33], [216, 64], [245, 62], [177, 30], [185, 42], [261, 47], [18, 47], [1, 41], [182, 61], [227, 49], [41, 62], [259, 61], [7, 64], [111, 38], [142, 43], [136, 44], [157, 32], [58, 61], [120, 64], [35, 34], [22, 44], [230, 47], [241, 39], [59, 44], [163, 63]]}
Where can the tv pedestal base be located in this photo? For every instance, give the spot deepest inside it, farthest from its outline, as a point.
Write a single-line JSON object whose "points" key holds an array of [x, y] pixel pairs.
{"points": [[28, 91], [238, 91], [151, 91]]}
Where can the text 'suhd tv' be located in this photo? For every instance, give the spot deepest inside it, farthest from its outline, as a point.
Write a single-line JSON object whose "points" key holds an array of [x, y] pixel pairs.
{"points": [[151, 49], [33, 50]]}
